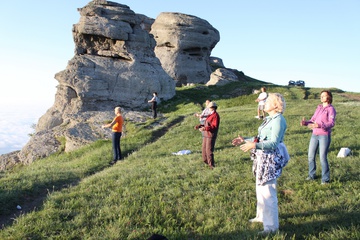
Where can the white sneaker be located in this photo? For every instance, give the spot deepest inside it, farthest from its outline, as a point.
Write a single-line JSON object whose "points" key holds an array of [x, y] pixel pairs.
{"points": [[255, 220], [257, 117]]}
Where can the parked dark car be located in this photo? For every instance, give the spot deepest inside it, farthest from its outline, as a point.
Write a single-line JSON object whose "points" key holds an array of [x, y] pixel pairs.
{"points": [[291, 83], [300, 83]]}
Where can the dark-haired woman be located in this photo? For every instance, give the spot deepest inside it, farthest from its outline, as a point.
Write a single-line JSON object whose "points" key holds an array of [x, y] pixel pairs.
{"points": [[321, 124]]}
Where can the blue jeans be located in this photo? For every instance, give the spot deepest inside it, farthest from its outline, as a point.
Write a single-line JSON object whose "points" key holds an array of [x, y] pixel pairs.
{"points": [[116, 145], [321, 143]]}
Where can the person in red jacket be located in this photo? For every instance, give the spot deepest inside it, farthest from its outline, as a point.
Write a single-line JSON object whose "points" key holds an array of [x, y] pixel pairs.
{"points": [[209, 132]]}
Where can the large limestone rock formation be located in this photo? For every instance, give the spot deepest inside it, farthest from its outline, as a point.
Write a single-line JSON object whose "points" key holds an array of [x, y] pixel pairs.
{"points": [[183, 45], [114, 64], [222, 76], [114, 61]]}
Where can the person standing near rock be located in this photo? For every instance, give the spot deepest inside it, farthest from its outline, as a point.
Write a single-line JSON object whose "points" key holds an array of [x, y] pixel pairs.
{"points": [[116, 126], [154, 102], [210, 131], [261, 100]]}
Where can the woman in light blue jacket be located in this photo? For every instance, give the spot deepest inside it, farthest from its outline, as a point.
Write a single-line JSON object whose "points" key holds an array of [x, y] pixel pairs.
{"points": [[269, 155]]}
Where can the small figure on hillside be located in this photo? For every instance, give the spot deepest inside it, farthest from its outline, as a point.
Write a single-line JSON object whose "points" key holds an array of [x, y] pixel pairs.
{"points": [[154, 101], [261, 103], [116, 125], [321, 124], [203, 115], [209, 131], [270, 156]]}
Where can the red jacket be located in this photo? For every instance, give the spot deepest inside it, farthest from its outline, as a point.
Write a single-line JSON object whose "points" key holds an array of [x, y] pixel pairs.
{"points": [[211, 125]]}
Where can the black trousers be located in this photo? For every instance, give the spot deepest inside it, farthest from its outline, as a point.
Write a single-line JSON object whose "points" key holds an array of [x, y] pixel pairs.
{"points": [[154, 109], [116, 145]]}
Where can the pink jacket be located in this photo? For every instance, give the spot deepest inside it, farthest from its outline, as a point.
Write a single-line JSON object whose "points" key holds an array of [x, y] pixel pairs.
{"points": [[325, 118]]}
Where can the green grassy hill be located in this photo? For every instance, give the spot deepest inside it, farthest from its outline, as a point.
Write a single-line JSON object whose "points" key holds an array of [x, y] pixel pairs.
{"points": [[78, 195]]}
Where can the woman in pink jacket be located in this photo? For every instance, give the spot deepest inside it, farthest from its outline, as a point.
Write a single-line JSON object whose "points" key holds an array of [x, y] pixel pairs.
{"points": [[321, 124]]}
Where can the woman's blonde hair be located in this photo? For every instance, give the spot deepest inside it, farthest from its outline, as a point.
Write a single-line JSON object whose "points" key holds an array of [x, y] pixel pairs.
{"points": [[118, 110], [278, 101]]}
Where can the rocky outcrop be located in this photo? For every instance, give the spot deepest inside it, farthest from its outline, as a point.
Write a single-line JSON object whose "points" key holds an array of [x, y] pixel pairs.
{"points": [[218, 62], [114, 64], [221, 77], [120, 58], [183, 45], [114, 60], [77, 130]]}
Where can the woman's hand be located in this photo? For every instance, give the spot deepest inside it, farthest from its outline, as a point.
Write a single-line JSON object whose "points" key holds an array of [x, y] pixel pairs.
{"points": [[313, 125], [303, 122], [237, 141], [247, 146]]}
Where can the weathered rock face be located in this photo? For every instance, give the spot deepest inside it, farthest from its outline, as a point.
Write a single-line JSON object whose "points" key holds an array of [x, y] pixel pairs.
{"points": [[221, 77], [114, 61], [183, 45], [215, 61], [114, 64], [76, 130]]}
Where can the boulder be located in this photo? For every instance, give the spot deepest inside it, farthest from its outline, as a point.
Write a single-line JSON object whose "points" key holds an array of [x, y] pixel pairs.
{"points": [[183, 45], [218, 62], [222, 76]]}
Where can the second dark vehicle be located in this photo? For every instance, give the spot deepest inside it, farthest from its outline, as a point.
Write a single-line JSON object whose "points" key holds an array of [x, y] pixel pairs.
{"points": [[300, 83]]}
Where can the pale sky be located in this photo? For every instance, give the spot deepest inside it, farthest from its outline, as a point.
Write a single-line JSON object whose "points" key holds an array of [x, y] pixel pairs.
{"points": [[271, 40]]}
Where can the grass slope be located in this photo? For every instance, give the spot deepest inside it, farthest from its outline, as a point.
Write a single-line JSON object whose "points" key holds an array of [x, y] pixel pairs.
{"points": [[78, 196]]}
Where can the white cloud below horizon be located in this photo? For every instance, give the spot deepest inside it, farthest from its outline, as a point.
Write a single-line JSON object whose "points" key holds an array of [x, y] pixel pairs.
{"points": [[16, 123]]}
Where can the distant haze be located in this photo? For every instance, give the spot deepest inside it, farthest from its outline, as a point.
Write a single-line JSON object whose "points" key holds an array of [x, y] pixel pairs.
{"points": [[16, 123]]}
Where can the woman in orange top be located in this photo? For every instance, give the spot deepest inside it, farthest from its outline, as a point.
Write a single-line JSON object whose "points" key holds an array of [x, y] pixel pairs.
{"points": [[116, 126]]}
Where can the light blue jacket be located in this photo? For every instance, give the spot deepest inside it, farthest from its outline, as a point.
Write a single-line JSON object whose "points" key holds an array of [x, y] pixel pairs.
{"points": [[271, 132], [270, 155]]}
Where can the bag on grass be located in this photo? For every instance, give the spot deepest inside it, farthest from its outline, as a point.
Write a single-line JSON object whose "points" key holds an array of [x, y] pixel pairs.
{"points": [[344, 152]]}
